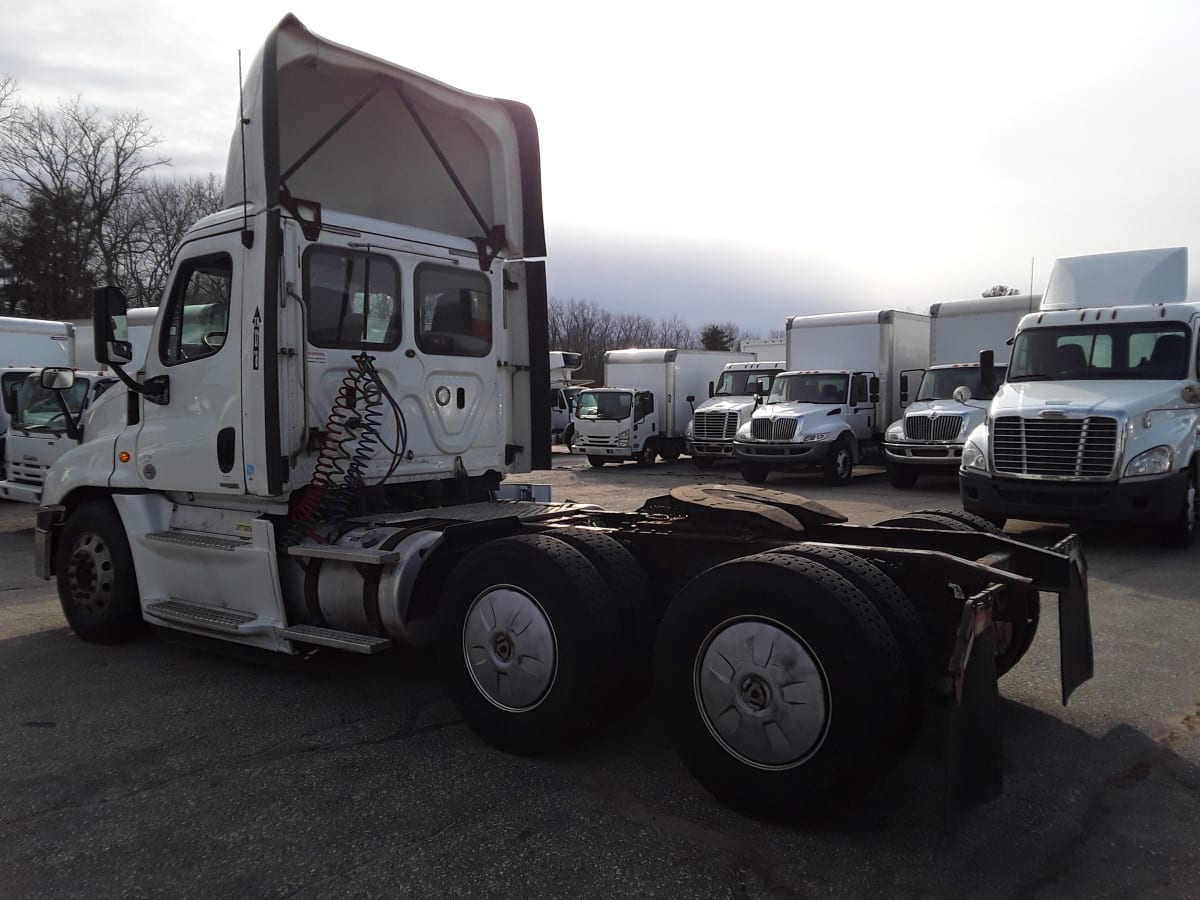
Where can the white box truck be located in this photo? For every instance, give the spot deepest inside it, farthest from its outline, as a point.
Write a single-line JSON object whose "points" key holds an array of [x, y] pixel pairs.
{"points": [[563, 390], [715, 422], [40, 430], [646, 405], [317, 468], [840, 390], [764, 349], [1098, 417], [952, 396]]}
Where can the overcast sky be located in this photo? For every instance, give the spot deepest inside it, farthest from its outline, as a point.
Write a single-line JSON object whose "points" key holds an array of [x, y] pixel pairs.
{"points": [[743, 161]]}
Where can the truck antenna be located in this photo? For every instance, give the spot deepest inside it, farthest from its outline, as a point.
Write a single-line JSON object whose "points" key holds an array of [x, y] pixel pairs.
{"points": [[1031, 261], [247, 234]]}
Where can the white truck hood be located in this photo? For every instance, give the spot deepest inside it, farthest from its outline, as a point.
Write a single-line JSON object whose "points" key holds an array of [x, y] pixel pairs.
{"points": [[944, 407], [326, 124], [733, 403], [1029, 398], [779, 410]]}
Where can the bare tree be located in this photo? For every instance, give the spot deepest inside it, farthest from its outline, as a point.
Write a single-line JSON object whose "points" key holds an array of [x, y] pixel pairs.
{"points": [[1000, 290], [8, 98]]}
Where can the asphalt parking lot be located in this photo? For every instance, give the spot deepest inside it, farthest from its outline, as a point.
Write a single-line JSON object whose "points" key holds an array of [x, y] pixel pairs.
{"points": [[156, 770]]}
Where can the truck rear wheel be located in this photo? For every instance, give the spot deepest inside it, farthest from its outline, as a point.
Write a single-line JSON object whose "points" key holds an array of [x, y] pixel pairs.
{"points": [[529, 642], [1181, 533], [929, 520], [97, 583], [1021, 637], [781, 682], [754, 472], [903, 477], [972, 521], [568, 435], [597, 461], [839, 464]]}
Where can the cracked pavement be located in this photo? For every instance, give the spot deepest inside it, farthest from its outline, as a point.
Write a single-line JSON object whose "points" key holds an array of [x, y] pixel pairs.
{"points": [[152, 769]]}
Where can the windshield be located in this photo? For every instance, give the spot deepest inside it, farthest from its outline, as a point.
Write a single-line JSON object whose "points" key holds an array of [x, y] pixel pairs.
{"points": [[811, 388], [1140, 350], [610, 405], [38, 409], [939, 384], [743, 383]]}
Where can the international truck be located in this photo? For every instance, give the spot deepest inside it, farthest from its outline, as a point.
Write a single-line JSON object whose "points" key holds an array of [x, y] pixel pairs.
{"points": [[645, 408], [1098, 417], [40, 429], [952, 396], [347, 362], [840, 391], [715, 421]]}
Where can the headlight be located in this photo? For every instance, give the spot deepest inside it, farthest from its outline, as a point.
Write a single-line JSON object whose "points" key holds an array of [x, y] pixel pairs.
{"points": [[815, 437], [743, 432], [895, 431], [689, 430], [973, 457], [1154, 461], [623, 438]]}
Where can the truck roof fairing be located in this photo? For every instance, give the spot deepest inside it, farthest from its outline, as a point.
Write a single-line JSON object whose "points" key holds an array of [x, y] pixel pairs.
{"points": [[1125, 278], [329, 125]]}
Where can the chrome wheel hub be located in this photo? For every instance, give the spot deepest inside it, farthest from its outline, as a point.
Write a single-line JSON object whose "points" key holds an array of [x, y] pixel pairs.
{"points": [[90, 574], [510, 648], [762, 693]]}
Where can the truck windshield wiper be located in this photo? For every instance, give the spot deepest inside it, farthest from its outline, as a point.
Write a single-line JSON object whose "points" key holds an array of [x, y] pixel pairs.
{"points": [[1036, 376]]}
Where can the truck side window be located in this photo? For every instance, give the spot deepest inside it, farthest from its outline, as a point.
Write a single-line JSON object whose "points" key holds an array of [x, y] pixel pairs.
{"points": [[454, 312], [337, 281], [198, 309], [859, 394]]}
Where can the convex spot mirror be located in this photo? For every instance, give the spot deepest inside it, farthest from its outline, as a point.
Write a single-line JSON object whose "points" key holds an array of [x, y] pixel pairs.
{"points": [[110, 324], [962, 393], [57, 378]]}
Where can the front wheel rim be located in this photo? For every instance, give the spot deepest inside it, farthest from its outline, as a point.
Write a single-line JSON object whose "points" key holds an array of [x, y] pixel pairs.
{"points": [[762, 693], [510, 648], [90, 574]]}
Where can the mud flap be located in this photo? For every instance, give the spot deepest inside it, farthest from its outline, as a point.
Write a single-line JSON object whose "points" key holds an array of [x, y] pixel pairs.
{"points": [[973, 750], [1076, 662]]}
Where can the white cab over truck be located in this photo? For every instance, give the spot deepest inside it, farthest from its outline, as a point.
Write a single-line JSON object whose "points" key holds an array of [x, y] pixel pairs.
{"points": [[968, 353], [26, 345], [840, 390], [347, 362], [41, 430], [563, 390], [646, 406], [716, 421], [1099, 416]]}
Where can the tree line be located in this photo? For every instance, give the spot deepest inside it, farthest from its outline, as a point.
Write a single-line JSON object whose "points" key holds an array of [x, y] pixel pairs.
{"points": [[82, 204]]}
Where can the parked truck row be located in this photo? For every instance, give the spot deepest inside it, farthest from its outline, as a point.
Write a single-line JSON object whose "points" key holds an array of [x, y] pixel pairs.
{"points": [[348, 360]]}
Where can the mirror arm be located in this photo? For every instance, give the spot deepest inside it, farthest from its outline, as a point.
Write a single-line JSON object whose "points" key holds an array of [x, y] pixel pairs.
{"points": [[73, 431], [155, 390]]}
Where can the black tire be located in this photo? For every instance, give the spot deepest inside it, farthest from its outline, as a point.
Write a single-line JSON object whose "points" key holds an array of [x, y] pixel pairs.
{"points": [[97, 582], [902, 618], [669, 455], [637, 612], [932, 521], [1021, 639], [903, 477], [972, 521], [551, 589], [703, 462], [568, 435], [647, 455], [838, 467], [1181, 533], [754, 472], [815, 623], [597, 461]]}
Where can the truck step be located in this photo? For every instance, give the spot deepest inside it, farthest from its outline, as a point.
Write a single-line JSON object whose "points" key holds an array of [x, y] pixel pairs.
{"points": [[361, 555], [339, 640], [213, 618], [191, 539]]}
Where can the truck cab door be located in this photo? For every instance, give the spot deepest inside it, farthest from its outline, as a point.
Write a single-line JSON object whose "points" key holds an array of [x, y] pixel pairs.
{"points": [[861, 410], [193, 440]]}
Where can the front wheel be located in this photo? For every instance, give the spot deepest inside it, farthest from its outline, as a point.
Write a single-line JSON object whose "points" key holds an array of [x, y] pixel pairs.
{"points": [[597, 461], [1181, 533], [647, 455], [97, 583], [754, 472], [839, 464], [703, 462], [568, 435], [902, 477]]}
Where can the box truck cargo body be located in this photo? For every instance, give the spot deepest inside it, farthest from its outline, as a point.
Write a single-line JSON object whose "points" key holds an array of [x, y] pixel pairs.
{"points": [[715, 422], [647, 402], [1098, 415], [840, 391], [946, 401]]}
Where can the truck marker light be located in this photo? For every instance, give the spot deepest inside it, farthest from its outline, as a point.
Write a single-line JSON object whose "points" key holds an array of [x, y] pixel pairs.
{"points": [[123, 456]]}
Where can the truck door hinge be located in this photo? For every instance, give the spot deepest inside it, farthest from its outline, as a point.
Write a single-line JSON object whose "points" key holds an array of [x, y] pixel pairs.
{"points": [[287, 351]]}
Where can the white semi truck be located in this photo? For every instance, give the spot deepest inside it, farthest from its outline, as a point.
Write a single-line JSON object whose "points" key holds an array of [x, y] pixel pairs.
{"points": [[953, 394], [840, 391], [716, 421], [1099, 415], [645, 408], [347, 362]]}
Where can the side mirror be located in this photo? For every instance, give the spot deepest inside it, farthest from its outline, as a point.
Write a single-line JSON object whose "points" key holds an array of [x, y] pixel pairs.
{"points": [[987, 368], [691, 398], [873, 388], [57, 378], [903, 390], [711, 390], [110, 325], [962, 393]]}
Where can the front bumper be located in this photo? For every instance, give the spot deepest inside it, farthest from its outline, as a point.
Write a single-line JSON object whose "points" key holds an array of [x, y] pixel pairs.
{"points": [[932, 455], [602, 450], [1150, 498], [782, 454], [715, 449], [45, 538]]}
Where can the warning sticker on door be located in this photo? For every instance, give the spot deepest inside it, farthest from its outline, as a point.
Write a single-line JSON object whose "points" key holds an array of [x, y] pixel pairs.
{"points": [[314, 355]]}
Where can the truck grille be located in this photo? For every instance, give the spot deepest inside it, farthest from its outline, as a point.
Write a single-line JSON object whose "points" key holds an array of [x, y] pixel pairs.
{"points": [[714, 426], [26, 472], [1071, 448], [773, 429], [932, 428]]}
